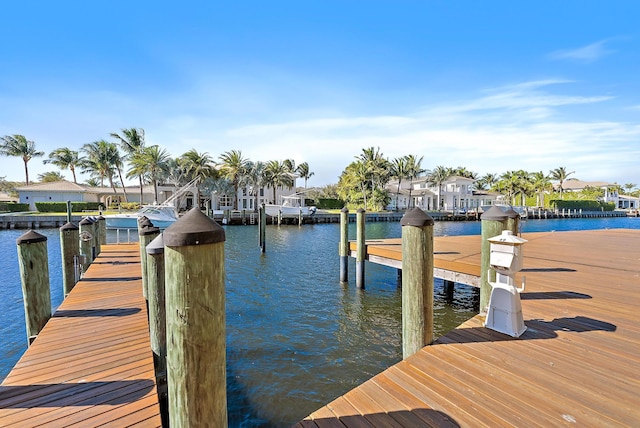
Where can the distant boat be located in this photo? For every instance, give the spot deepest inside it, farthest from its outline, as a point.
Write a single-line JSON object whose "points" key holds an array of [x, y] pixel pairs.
{"points": [[292, 206], [161, 215]]}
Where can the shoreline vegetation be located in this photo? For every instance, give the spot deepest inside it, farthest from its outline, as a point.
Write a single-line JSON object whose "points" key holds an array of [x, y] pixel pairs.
{"points": [[364, 183]]}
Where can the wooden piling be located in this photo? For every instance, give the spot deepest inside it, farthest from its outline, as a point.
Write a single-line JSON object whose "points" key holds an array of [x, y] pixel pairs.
{"points": [[494, 221], [195, 302], [33, 261], [417, 281], [448, 288], [86, 243], [263, 228], [513, 221], [68, 211], [70, 250], [146, 234], [343, 249], [102, 232], [158, 319], [362, 248]]}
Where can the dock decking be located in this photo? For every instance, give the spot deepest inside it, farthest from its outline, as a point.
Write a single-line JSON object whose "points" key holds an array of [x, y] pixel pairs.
{"points": [[92, 364], [577, 364]]}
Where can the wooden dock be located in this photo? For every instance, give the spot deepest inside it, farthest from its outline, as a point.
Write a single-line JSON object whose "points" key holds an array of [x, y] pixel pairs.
{"points": [[450, 263], [92, 363], [578, 363]]}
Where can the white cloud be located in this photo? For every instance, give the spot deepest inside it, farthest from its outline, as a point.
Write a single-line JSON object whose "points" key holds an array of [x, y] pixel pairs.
{"points": [[589, 53]]}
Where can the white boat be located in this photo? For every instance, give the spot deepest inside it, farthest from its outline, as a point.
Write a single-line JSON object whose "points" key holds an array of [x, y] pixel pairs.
{"points": [[292, 206], [161, 215]]}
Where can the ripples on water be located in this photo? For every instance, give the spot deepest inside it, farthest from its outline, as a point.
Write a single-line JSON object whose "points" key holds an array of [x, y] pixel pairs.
{"points": [[296, 337]]}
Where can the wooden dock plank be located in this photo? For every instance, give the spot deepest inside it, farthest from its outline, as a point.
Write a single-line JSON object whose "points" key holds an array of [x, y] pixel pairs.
{"points": [[92, 363], [577, 363]]}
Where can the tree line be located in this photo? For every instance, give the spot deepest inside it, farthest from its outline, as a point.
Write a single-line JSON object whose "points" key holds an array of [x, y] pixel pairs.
{"points": [[129, 156], [363, 183]]}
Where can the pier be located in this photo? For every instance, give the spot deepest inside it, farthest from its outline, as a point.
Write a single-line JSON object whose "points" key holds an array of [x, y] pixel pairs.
{"points": [[577, 363], [92, 363]]}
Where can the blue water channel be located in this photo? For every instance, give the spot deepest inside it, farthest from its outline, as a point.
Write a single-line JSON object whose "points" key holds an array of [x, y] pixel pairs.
{"points": [[296, 337]]}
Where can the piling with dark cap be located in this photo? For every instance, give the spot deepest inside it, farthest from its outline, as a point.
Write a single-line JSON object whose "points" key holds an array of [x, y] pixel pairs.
{"points": [[70, 250], [33, 261], [417, 281], [195, 305], [494, 221], [263, 228], [343, 249], [101, 231], [86, 243], [147, 234], [158, 318], [513, 220], [361, 251]]}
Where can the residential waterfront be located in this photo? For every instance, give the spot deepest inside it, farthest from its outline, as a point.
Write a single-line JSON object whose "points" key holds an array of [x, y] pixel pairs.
{"points": [[296, 337]]}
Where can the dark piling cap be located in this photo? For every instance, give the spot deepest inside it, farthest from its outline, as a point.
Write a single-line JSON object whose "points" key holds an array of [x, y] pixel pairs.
{"points": [[101, 218], [511, 213], [30, 237], [416, 217], [360, 210], [193, 228], [494, 213], [142, 218], [68, 226], [85, 222], [345, 210], [145, 222], [156, 246], [149, 230]]}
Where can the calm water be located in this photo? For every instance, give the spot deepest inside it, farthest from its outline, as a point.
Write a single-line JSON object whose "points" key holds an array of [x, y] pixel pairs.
{"points": [[296, 338]]}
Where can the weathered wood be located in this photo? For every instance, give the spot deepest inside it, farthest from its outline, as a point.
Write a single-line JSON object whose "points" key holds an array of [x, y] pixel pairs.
{"points": [[158, 318], [494, 221], [86, 243], [146, 234], [195, 300], [343, 250], [101, 232], [417, 281], [263, 228], [513, 221], [34, 276], [70, 250], [361, 251]]}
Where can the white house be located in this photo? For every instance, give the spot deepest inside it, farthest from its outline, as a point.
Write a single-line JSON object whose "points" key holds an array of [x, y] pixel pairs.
{"points": [[456, 193], [62, 191], [610, 191]]}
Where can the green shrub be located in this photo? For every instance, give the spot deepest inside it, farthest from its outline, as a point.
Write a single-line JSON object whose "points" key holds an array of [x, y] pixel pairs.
{"points": [[330, 204], [13, 207], [61, 207], [584, 205]]}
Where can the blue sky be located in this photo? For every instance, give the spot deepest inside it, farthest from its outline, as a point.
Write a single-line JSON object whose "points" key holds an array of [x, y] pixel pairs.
{"points": [[491, 86]]}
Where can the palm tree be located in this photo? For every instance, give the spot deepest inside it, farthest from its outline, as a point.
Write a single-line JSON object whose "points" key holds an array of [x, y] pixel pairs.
{"points": [[151, 162], [277, 174], [439, 175], [17, 145], [132, 142], [197, 166], [100, 160], [486, 182], [540, 183], [399, 171], [233, 167], [629, 187], [50, 177], [64, 158], [254, 180], [561, 175], [304, 172], [414, 169]]}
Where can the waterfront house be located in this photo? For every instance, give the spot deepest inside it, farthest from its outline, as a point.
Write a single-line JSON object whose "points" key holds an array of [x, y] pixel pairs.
{"points": [[610, 192], [456, 193]]}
